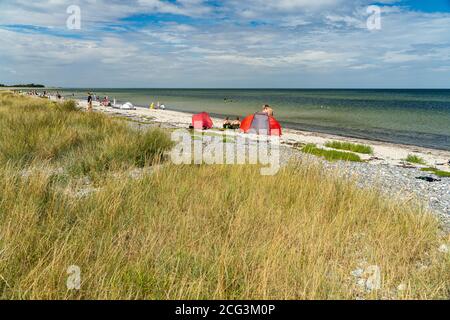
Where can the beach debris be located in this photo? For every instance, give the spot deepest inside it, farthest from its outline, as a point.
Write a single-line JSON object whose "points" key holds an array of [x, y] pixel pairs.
{"points": [[428, 179], [444, 248], [407, 166], [294, 144], [368, 279]]}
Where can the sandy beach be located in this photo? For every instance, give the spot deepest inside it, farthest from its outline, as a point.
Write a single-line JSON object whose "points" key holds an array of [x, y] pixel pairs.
{"points": [[384, 152]]}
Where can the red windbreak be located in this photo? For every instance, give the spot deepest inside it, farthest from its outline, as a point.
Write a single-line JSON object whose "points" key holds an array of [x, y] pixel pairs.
{"points": [[274, 125], [202, 121]]}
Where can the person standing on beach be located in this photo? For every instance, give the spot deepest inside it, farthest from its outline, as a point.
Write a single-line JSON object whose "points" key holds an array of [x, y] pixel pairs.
{"points": [[268, 109], [89, 102]]}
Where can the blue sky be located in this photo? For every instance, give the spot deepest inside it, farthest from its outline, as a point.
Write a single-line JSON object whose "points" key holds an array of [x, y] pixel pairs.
{"points": [[230, 43]]}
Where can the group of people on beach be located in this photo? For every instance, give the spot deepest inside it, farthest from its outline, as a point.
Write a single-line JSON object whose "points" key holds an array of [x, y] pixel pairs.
{"points": [[233, 125], [105, 102], [34, 93], [236, 124], [46, 95]]}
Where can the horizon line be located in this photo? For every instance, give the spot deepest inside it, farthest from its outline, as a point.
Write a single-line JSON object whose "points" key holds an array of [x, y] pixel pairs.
{"points": [[240, 88]]}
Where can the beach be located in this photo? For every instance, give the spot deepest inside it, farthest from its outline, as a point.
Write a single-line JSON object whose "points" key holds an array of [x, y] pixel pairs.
{"points": [[384, 152], [407, 117]]}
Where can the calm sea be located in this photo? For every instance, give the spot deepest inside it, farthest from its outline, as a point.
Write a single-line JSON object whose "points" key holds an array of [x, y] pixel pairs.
{"points": [[416, 117]]}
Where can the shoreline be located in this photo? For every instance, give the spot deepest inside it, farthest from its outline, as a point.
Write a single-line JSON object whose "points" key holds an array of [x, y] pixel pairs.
{"points": [[386, 153], [391, 133]]}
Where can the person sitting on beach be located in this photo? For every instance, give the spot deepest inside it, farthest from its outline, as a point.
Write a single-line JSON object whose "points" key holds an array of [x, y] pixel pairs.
{"points": [[105, 102], [227, 123], [268, 109], [162, 107], [236, 124]]}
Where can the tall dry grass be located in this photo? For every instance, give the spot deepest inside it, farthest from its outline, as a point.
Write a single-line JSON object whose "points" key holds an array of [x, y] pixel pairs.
{"points": [[212, 232], [40, 131]]}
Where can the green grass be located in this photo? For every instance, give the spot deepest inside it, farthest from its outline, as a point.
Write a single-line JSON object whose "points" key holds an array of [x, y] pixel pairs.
{"points": [[331, 155], [359, 148], [439, 173], [415, 159], [213, 232]]}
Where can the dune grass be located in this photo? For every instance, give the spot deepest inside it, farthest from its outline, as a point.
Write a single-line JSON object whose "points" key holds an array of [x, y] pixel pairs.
{"points": [[39, 131], [359, 148], [415, 159], [331, 155], [201, 232], [439, 173], [214, 233]]}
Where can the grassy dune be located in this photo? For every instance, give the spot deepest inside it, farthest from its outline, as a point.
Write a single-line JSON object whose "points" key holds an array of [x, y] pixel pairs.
{"points": [[43, 132], [195, 232]]}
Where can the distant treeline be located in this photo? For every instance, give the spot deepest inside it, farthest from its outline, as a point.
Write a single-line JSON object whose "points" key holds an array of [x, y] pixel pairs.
{"points": [[31, 85]]}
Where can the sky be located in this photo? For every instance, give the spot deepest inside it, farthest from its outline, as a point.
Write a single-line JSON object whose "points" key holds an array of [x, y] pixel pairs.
{"points": [[226, 44]]}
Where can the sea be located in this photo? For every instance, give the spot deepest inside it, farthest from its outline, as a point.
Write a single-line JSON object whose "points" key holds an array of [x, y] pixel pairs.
{"points": [[415, 117]]}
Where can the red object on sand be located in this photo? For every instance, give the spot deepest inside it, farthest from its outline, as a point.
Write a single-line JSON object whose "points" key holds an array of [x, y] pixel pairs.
{"points": [[261, 123], [202, 121]]}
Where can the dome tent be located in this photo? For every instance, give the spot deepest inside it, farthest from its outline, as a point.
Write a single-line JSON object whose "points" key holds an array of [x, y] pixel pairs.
{"points": [[202, 121], [127, 106], [261, 123]]}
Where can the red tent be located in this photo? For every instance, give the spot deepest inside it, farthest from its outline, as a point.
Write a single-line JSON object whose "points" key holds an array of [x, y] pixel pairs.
{"points": [[202, 121], [261, 123]]}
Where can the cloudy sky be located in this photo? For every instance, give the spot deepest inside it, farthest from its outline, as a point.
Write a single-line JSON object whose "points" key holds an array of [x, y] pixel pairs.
{"points": [[229, 43]]}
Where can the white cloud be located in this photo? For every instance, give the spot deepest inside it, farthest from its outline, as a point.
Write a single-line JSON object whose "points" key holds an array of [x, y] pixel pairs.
{"points": [[219, 45]]}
